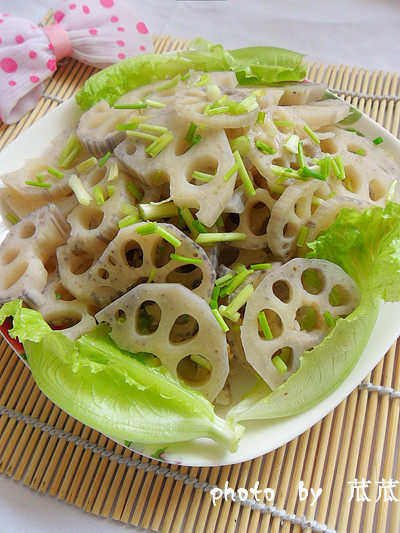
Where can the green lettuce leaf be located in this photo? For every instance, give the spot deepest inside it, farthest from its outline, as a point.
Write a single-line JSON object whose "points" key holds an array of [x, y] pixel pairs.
{"points": [[257, 65], [113, 391], [367, 246]]}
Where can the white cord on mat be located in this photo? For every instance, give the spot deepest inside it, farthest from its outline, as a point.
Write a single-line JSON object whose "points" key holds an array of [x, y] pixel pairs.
{"points": [[393, 393]]}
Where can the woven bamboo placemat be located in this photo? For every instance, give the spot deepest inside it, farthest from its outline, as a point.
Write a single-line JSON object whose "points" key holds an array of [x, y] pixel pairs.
{"points": [[49, 451]]}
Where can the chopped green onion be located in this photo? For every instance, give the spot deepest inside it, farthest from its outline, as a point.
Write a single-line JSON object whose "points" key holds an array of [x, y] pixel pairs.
{"points": [[231, 172], [361, 151], [264, 147], [218, 110], [339, 161], [276, 188], [317, 201], [104, 159], [71, 157], [292, 144], [201, 361], [199, 226], [312, 279], [157, 177], [55, 172], [300, 154], [98, 195], [113, 171], [184, 77], [239, 267], [325, 166], [140, 104], [190, 132], [154, 212], [334, 297], [153, 127], [307, 173], [243, 174], [240, 299], [128, 126], [261, 117], [152, 274], [222, 100], [189, 260], [213, 92], [147, 228], [121, 320], [169, 84], [85, 165], [242, 144], [260, 266], [301, 239], [311, 134], [128, 209], [265, 326], [284, 123], [279, 171], [219, 222], [279, 364], [232, 316], [131, 187], [207, 108], [38, 184], [70, 151], [111, 190], [167, 236], [391, 190], [142, 136], [237, 281], [224, 279], [58, 296], [309, 320], [215, 293], [159, 144], [189, 220], [335, 168], [213, 304], [329, 319], [81, 193], [220, 320], [196, 139], [133, 218], [202, 176], [249, 103], [209, 238], [203, 80], [40, 178], [378, 140], [13, 219], [153, 103]]}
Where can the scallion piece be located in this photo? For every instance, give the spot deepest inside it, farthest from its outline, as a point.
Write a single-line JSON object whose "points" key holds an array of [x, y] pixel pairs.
{"points": [[189, 260], [169, 84], [189, 220], [140, 104], [261, 117], [264, 147], [153, 103], [133, 218], [38, 184], [167, 236], [224, 279], [219, 222], [196, 139], [202, 176], [237, 281], [55, 172], [186, 76], [335, 167], [301, 239], [98, 195], [69, 148], [300, 155], [40, 178], [329, 319], [278, 171], [203, 80], [276, 188], [152, 274], [131, 187], [339, 161], [213, 92], [154, 212], [260, 266], [207, 108], [242, 144], [210, 238], [279, 364], [218, 110], [292, 144], [157, 177], [378, 140], [265, 326], [243, 174], [104, 159], [232, 316], [249, 103], [391, 190], [222, 100], [147, 228], [153, 127], [81, 193], [231, 172], [220, 320], [159, 144], [325, 166], [71, 157], [307, 173], [311, 134], [113, 171], [215, 293], [199, 226], [12, 218], [110, 190], [308, 321], [128, 126], [128, 209], [142, 136], [85, 165], [190, 132], [239, 267], [361, 151], [284, 123], [240, 299], [213, 304]]}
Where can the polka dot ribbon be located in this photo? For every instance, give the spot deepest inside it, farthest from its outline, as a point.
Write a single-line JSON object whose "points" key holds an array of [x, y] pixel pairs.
{"points": [[97, 32]]}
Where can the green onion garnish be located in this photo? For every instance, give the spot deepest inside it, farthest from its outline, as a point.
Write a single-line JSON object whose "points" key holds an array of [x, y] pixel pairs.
{"points": [[81, 193], [209, 238], [220, 320], [128, 126], [169, 84], [311, 134], [189, 220], [85, 165], [309, 320], [40, 178], [361, 151], [301, 239], [224, 279], [279, 364], [391, 190], [243, 174], [242, 144], [128, 209], [218, 110], [140, 104], [260, 266], [231, 172], [239, 300], [335, 167], [237, 281], [121, 320], [131, 187], [213, 304], [339, 161], [189, 260], [13, 219], [167, 236], [104, 159], [203, 80], [199, 226], [147, 228], [152, 274], [325, 165], [232, 316], [98, 195], [110, 190], [213, 92], [142, 136], [329, 319], [70, 151], [71, 157], [215, 293], [157, 177], [219, 222], [276, 188], [133, 218], [378, 140], [186, 76], [38, 184], [334, 297], [207, 108], [284, 123], [190, 132], [196, 139], [239, 267], [113, 171], [55, 173], [249, 103], [153, 103], [264, 147], [261, 117], [154, 212], [265, 326], [279, 171], [58, 296], [153, 127], [300, 155], [292, 144], [202, 176], [159, 144], [307, 173]]}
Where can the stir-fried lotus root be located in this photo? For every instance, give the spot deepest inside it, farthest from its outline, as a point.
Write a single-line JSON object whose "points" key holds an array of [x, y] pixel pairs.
{"points": [[28, 253], [294, 298], [212, 155], [178, 326], [129, 259], [290, 213]]}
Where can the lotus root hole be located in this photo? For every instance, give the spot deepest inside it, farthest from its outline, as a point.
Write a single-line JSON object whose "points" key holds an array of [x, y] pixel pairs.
{"points": [[228, 255], [161, 253], [103, 273], [148, 318], [286, 354], [353, 179], [96, 176], [354, 147], [290, 230], [80, 264], [133, 254], [64, 320], [189, 276], [302, 208], [181, 145], [63, 294], [282, 290], [279, 161], [130, 146], [259, 180], [185, 328], [206, 164], [51, 265], [308, 318], [376, 190], [90, 218], [339, 296], [192, 372], [231, 221], [112, 260], [9, 256], [13, 275], [274, 322], [120, 316], [329, 146], [259, 216], [26, 230], [313, 280]]}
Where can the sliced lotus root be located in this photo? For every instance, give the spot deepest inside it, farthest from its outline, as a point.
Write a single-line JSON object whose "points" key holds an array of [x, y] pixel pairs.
{"points": [[294, 298], [290, 213], [302, 93], [27, 254], [325, 113], [129, 259], [222, 78], [176, 325], [63, 311], [230, 256], [211, 155]]}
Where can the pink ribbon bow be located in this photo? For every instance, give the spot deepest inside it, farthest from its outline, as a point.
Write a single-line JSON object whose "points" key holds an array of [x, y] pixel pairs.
{"points": [[97, 32]]}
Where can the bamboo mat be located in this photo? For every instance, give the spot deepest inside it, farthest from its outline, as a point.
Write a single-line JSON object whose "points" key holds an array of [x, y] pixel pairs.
{"points": [[49, 451]]}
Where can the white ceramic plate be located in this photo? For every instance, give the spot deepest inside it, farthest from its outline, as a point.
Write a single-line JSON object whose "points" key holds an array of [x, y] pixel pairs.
{"points": [[260, 436]]}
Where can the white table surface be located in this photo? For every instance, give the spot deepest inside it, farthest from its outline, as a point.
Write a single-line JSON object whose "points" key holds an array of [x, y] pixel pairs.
{"points": [[361, 33]]}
